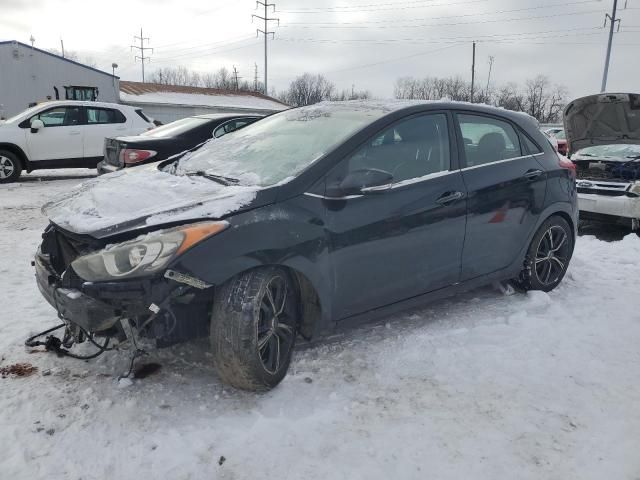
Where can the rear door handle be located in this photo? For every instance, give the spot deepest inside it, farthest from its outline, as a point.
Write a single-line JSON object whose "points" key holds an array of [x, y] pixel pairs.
{"points": [[532, 174], [74, 133], [449, 197]]}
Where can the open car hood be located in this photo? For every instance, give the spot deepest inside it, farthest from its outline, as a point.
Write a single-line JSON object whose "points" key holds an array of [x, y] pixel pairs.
{"points": [[603, 119], [142, 197]]}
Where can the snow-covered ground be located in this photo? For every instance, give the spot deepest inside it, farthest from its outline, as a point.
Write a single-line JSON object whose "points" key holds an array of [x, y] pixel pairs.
{"points": [[482, 386]]}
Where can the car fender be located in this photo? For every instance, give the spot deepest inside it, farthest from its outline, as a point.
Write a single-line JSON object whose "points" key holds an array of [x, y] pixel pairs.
{"points": [[291, 235], [12, 147]]}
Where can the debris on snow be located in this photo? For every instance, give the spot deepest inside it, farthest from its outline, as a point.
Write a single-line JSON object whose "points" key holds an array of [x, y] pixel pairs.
{"points": [[18, 370]]}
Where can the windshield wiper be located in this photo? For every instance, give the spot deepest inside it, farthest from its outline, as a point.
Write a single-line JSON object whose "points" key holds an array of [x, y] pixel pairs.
{"points": [[216, 178]]}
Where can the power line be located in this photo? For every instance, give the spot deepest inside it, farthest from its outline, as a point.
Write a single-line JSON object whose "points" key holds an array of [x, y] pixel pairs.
{"points": [[365, 8], [480, 38], [419, 54], [495, 12], [265, 32], [201, 46], [141, 49], [505, 20], [208, 51]]}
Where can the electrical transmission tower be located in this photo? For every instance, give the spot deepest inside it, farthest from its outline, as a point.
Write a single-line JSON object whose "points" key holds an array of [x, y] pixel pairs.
{"points": [[141, 49], [265, 32], [255, 77], [235, 77], [612, 24]]}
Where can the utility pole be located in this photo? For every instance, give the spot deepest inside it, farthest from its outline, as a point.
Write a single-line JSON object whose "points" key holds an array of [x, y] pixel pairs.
{"points": [[141, 49], [62, 47], [265, 32], [491, 59], [235, 76], [612, 23], [255, 77], [473, 70]]}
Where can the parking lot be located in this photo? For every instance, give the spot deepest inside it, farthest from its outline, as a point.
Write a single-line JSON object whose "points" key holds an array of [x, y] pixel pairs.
{"points": [[526, 386]]}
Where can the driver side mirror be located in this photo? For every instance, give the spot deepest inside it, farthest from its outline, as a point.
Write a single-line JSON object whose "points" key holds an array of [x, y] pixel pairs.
{"points": [[36, 125], [357, 181]]}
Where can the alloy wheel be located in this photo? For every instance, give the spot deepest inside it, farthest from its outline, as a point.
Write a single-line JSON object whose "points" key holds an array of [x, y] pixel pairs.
{"points": [[6, 167], [552, 255], [276, 325]]}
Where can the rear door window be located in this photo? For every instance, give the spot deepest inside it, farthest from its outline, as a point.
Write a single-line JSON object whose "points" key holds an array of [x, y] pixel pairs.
{"points": [[488, 139], [231, 126], [104, 115]]}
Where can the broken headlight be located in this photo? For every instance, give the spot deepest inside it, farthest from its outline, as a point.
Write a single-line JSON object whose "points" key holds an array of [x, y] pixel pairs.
{"points": [[143, 256]]}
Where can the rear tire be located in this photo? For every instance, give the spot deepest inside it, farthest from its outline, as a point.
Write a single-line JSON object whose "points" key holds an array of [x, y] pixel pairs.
{"points": [[548, 256], [10, 166], [253, 328]]}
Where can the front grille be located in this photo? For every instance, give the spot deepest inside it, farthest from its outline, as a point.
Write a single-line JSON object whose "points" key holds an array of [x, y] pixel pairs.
{"points": [[605, 192]]}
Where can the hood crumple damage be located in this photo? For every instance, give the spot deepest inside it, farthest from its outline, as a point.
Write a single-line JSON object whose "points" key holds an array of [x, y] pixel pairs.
{"points": [[136, 198]]}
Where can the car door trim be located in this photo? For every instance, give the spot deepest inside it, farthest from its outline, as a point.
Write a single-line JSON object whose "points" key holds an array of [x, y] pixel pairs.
{"points": [[388, 186], [501, 161]]}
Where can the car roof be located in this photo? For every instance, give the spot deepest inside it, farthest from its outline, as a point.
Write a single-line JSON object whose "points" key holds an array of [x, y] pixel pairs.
{"points": [[412, 106], [83, 103]]}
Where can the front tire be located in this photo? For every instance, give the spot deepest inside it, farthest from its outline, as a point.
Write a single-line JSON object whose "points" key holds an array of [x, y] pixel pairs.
{"points": [[10, 167], [548, 257], [253, 328]]}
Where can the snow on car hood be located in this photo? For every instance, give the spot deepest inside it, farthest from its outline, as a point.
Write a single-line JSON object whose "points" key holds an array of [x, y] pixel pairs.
{"points": [[135, 198], [604, 119]]}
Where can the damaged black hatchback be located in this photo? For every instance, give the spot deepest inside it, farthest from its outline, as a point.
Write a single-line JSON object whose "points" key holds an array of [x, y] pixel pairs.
{"points": [[308, 220]]}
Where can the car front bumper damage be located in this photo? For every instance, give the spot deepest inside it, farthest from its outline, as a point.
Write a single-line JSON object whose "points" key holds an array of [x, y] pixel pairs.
{"points": [[163, 309]]}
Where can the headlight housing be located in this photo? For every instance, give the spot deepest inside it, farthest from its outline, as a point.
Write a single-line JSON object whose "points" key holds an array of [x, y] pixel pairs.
{"points": [[144, 255], [635, 188]]}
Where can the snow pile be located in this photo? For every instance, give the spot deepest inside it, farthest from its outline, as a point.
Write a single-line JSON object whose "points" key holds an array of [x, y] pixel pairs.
{"points": [[481, 386], [143, 196]]}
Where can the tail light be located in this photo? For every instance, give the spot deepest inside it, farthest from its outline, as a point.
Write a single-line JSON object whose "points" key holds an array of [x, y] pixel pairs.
{"points": [[130, 156], [564, 162]]}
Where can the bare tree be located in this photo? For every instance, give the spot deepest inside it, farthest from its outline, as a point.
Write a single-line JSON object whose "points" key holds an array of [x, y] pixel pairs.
{"points": [[308, 89], [539, 98]]}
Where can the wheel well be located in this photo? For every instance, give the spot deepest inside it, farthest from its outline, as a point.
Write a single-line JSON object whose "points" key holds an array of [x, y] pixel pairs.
{"points": [[17, 151], [310, 308]]}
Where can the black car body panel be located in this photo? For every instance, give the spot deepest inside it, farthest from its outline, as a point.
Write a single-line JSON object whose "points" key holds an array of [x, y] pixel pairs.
{"points": [[173, 144], [356, 257]]}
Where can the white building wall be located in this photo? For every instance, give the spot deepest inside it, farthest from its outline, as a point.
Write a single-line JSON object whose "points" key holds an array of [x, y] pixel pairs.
{"points": [[28, 75]]}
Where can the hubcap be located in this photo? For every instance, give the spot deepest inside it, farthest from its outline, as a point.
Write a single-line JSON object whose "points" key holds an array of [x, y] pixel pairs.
{"points": [[6, 167], [552, 255], [276, 326]]}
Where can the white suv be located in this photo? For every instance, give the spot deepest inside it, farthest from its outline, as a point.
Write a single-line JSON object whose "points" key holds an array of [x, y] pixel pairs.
{"points": [[64, 134]]}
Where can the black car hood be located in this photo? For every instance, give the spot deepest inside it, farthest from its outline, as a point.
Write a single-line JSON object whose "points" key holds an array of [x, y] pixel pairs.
{"points": [[143, 197], [604, 119]]}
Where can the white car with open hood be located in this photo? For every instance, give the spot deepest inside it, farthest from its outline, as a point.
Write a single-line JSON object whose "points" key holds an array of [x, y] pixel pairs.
{"points": [[64, 134], [603, 133]]}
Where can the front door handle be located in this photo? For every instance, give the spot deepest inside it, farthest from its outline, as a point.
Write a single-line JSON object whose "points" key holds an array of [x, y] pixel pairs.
{"points": [[74, 133], [449, 197], [532, 174]]}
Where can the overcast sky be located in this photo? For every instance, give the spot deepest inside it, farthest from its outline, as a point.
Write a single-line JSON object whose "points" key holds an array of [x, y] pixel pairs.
{"points": [[366, 43]]}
